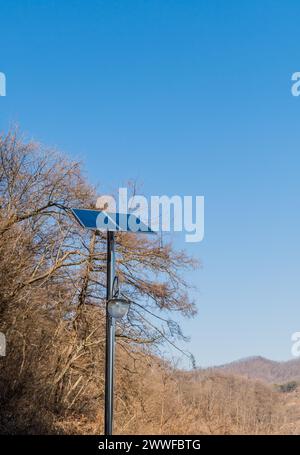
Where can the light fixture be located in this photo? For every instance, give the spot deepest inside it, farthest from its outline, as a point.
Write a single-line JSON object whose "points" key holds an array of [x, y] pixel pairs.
{"points": [[117, 307]]}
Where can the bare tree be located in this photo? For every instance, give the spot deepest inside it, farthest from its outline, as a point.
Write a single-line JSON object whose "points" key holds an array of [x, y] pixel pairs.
{"points": [[53, 284]]}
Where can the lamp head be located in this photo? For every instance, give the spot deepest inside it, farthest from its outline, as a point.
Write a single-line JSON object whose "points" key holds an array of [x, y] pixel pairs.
{"points": [[117, 307]]}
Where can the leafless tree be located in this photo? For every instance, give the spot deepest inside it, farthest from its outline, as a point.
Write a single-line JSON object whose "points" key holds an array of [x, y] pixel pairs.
{"points": [[53, 284]]}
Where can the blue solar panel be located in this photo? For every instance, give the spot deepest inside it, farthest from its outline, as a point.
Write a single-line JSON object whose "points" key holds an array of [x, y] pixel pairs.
{"points": [[105, 221]]}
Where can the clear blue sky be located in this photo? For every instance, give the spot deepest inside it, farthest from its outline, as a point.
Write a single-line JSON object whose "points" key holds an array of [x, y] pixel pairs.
{"points": [[188, 97]]}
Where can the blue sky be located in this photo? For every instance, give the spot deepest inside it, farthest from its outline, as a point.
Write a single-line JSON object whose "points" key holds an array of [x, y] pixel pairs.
{"points": [[188, 98]]}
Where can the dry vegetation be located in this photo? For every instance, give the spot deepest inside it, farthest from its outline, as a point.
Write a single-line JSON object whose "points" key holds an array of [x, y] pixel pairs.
{"points": [[52, 302]]}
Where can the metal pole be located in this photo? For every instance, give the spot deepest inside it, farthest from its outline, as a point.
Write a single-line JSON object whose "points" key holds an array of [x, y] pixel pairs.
{"points": [[110, 338]]}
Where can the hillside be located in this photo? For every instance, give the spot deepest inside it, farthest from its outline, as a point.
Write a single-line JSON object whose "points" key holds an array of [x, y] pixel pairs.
{"points": [[263, 369]]}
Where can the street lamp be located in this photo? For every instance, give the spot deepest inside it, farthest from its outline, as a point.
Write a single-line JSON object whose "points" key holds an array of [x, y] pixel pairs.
{"points": [[116, 307]]}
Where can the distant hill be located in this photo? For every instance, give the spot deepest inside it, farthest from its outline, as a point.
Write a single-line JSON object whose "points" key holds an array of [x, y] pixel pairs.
{"points": [[264, 369]]}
